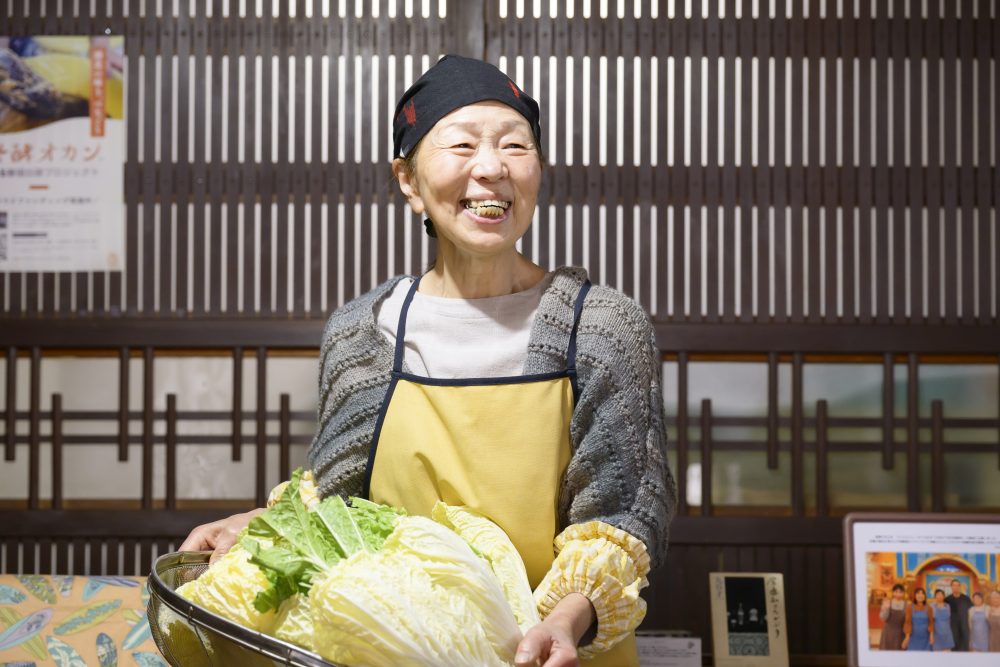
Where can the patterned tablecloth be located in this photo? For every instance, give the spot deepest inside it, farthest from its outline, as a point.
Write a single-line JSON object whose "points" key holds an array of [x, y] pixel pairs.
{"points": [[75, 622]]}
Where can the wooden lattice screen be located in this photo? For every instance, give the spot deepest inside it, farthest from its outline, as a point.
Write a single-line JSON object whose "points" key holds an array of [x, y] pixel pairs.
{"points": [[819, 165]]}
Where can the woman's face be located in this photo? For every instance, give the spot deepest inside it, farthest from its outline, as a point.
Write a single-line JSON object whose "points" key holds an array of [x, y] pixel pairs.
{"points": [[995, 599], [897, 594], [477, 177], [939, 597], [920, 597]]}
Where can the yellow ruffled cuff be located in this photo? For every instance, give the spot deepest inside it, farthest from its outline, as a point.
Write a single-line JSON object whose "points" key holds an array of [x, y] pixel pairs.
{"points": [[609, 567], [307, 491]]}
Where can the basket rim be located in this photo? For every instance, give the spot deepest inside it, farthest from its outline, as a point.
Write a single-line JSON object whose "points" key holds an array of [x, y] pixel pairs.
{"points": [[284, 652]]}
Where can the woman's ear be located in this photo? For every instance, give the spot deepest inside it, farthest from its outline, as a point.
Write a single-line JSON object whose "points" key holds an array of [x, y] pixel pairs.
{"points": [[408, 185]]}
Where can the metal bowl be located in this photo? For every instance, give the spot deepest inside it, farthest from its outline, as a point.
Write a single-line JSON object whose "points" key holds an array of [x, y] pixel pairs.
{"points": [[190, 636]]}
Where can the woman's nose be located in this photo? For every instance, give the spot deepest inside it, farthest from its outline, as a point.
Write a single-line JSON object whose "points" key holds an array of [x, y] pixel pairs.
{"points": [[488, 164]]}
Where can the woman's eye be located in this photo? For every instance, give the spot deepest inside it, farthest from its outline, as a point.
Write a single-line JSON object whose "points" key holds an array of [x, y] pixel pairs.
{"points": [[462, 146], [517, 146]]}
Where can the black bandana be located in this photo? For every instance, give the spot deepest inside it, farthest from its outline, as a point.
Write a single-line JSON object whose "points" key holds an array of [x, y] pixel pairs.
{"points": [[454, 82]]}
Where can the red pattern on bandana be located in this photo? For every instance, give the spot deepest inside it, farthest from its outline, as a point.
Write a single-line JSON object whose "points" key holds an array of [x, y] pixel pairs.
{"points": [[410, 111], [517, 93]]}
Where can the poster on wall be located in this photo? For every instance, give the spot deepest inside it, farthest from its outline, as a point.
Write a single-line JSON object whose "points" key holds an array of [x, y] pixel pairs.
{"points": [[62, 137], [923, 590], [748, 619]]}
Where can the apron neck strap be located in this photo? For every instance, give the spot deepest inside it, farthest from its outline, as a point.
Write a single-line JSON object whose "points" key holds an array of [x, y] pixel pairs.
{"points": [[397, 362], [577, 309]]}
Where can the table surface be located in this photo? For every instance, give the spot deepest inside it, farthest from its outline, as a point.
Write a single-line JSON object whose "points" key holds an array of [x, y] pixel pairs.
{"points": [[75, 621]]}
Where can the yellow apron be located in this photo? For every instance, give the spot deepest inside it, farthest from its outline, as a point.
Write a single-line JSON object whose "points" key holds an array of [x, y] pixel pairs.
{"points": [[497, 445]]}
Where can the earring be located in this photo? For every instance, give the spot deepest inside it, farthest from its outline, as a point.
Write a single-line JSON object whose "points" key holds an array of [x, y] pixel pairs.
{"points": [[429, 228]]}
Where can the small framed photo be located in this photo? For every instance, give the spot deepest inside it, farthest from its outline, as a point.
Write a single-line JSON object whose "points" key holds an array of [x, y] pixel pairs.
{"points": [[748, 619], [923, 590]]}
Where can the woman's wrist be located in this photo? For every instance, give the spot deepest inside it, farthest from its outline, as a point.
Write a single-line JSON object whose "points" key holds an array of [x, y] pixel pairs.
{"points": [[576, 614]]}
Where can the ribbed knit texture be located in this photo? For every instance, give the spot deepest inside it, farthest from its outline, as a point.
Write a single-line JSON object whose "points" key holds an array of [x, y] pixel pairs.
{"points": [[618, 472]]}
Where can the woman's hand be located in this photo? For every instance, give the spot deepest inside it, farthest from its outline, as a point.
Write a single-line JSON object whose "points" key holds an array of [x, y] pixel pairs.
{"points": [[906, 642], [552, 643], [219, 536]]}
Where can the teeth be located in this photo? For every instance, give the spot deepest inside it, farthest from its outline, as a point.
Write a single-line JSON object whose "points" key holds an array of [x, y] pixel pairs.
{"points": [[487, 208]]}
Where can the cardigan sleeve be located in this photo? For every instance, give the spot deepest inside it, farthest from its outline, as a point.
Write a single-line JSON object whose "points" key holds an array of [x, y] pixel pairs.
{"points": [[618, 473]]}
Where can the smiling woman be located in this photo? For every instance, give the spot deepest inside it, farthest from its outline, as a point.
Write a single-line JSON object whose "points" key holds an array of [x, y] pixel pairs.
{"points": [[529, 396]]}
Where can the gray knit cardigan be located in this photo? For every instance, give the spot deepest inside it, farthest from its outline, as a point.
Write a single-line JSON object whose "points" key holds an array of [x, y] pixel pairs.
{"points": [[618, 472]]}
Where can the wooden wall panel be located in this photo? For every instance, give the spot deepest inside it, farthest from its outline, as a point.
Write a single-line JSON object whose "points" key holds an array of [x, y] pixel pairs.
{"points": [[848, 105]]}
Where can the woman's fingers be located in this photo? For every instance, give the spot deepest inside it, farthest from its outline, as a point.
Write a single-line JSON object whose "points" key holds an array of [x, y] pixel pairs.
{"points": [[201, 538], [220, 536], [548, 644], [530, 651]]}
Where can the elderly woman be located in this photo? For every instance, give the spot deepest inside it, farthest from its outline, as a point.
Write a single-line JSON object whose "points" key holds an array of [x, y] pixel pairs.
{"points": [[528, 395]]}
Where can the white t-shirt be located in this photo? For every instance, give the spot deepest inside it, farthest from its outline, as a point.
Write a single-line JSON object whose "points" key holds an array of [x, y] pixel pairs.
{"points": [[463, 338]]}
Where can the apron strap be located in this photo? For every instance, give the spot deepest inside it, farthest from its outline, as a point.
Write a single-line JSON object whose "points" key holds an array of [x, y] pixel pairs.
{"points": [[577, 310], [397, 362]]}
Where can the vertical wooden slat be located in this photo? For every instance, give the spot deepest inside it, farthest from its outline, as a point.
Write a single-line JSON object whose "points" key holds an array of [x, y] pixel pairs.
{"points": [[199, 171], [268, 155], [250, 45], [299, 38], [167, 94], [718, 175], [916, 50], [888, 411], [233, 168], [57, 443], [216, 170], [898, 246], [261, 459], [813, 172], [236, 414], [10, 413], [762, 173], [696, 173], [147, 259], [912, 434], [996, 151], [800, 218], [133, 184], [285, 437], [706, 457], [984, 45], [112, 565], [772, 411], [937, 456], [865, 177], [34, 432], [849, 158], [123, 403], [881, 275], [350, 169], [171, 452], [822, 461], [798, 494], [679, 189], [317, 167], [645, 183], [950, 267], [832, 277], [747, 50], [933, 185], [182, 184], [966, 172], [147, 428], [682, 433]]}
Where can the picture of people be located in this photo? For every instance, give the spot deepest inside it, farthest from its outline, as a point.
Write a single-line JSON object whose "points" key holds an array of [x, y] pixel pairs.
{"points": [[746, 616], [939, 602]]}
